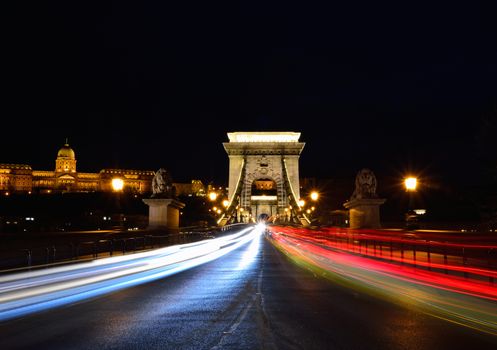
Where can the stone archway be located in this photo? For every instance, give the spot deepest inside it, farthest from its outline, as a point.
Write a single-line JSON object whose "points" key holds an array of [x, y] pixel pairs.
{"points": [[264, 198]]}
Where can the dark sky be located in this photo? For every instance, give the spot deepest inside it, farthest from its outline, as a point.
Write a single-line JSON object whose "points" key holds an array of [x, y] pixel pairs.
{"points": [[390, 86]]}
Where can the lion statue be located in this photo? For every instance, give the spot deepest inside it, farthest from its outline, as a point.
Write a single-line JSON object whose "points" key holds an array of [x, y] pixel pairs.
{"points": [[365, 185], [162, 184]]}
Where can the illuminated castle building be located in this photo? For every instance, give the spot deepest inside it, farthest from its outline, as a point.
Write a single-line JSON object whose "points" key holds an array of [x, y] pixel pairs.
{"points": [[66, 178]]}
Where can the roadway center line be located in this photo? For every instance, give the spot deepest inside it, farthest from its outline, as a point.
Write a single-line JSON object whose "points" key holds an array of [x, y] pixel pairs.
{"points": [[257, 301]]}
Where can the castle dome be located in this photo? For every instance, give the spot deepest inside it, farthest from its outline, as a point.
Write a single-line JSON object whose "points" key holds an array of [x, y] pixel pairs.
{"points": [[66, 152]]}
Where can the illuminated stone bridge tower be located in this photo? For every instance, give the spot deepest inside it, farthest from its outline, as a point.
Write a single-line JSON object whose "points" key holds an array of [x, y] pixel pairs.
{"points": [[263, 177]]}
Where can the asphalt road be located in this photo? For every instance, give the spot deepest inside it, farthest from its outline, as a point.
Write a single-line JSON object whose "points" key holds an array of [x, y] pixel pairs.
{"points": [[252, 298]]}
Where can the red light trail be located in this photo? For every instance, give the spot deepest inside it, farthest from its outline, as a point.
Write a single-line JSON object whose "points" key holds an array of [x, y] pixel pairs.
{"points": [[441, 291]]}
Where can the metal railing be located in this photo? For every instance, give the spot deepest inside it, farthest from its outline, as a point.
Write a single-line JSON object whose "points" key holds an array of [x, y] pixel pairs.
{"points": [[458, 256], [69, 252]]}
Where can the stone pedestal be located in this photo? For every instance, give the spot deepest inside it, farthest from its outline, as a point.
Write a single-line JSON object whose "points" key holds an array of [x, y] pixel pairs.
{"points": [[364, 213], [163, 213]]}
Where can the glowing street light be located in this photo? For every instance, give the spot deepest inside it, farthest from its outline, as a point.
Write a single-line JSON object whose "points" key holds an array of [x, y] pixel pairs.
{"points": [[117, 184], [301, 203], [411, 183], [226, 203], [314, 195], [212, 196]]}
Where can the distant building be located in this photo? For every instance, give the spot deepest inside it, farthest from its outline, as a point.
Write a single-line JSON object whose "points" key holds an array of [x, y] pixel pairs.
{"points": [[66, 178], [195, 188], [16, 177]]}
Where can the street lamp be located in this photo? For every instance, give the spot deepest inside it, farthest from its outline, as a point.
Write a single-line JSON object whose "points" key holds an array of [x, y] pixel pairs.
{"points": [[301, 203], [410, 183], [212, 196], [314, 196], [117, 184]]}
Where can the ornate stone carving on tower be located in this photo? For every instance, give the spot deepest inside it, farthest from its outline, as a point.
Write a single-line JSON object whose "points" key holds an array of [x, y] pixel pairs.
{"points": [[263, 177], [364, 204], [163, 207]]}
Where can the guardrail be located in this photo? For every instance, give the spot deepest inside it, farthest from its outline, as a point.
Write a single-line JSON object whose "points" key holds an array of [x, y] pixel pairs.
{"points": [[68, 252], [455, 255]]}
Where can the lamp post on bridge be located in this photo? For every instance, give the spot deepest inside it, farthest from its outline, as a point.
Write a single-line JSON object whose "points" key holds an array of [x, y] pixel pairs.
{"points": [[118, 186], [314, 196], [411, 184]]}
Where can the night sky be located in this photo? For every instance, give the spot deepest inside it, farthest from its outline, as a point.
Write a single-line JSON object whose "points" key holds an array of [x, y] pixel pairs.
{"points": [[391, 86]]}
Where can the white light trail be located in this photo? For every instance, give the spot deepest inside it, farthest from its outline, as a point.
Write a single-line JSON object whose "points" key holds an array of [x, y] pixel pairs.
{"points": [[32, 291]]}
